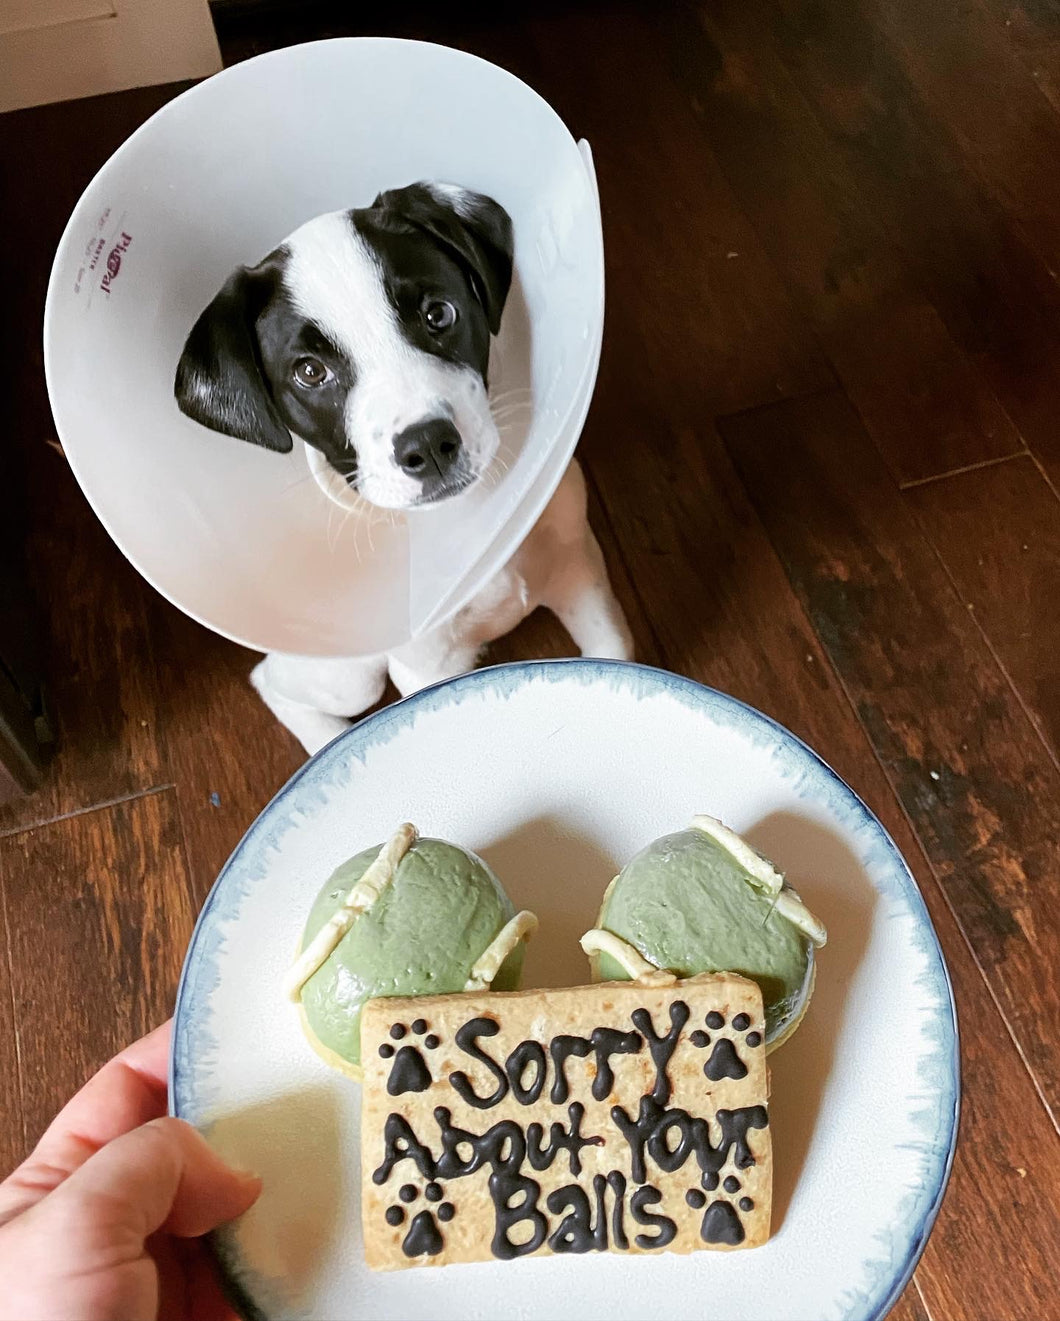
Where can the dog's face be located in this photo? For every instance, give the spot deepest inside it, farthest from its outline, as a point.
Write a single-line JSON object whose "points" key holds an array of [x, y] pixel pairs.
{"points": [[367, 335]]}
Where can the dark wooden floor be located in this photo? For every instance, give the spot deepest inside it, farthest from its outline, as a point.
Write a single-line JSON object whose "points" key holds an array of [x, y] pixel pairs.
{"points": [[824, 456]]}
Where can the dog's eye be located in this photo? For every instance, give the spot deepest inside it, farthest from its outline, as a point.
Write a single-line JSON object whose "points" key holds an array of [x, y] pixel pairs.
{"points": [[439, 314], [310, 371]]}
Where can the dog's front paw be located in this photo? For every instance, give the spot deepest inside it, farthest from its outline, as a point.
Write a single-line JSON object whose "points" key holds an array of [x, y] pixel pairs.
{"points": [[607, 636], [317, 730], [312, 728]]}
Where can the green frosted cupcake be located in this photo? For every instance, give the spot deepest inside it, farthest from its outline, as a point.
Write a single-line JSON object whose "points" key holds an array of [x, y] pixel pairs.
{"points": [[413, 917], [702, 900]]}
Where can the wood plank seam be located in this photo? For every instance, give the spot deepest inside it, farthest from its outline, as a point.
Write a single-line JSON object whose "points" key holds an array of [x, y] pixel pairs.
{"points": [[968, 467], [38, 824], [1045, 474], [921, 1295], [20, 1120], [198, 897]]}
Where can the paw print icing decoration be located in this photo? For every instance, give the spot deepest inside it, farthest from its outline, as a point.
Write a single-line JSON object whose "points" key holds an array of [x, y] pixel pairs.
{"points": [[423, 1237], [409, 1071], [721, 1224], [725, 1061]]}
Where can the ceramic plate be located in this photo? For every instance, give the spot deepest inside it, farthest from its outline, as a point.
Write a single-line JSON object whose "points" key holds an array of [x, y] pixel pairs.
{"points": [[557, 773]]}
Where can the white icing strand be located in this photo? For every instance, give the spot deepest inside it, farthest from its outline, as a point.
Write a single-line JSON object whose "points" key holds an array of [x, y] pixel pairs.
{"points": [[598, 941], [786, 901], [377, 876], [792, 907], [488, 965], [760, 868]]}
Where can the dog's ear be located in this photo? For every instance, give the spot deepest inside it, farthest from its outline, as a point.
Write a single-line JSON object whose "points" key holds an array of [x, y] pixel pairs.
{"points": [[473, 228], [220, 381]]}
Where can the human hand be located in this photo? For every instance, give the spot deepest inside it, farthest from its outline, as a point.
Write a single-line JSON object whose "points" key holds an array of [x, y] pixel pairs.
{"points": [[102, 1221]]}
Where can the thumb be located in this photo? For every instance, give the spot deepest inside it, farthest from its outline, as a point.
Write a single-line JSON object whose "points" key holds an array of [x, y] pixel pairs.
{"points": [[160, 1176]]}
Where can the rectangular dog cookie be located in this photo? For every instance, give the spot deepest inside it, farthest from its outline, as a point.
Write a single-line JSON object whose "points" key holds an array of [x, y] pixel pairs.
{"points": [[617, 1117]]}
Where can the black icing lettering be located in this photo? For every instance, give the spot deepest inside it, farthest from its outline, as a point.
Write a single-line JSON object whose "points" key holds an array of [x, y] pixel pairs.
{"points": [[671, 1157], [560, 1139], [467, 1039], [648, 1132], [561, 1048], [575, 1231], [721, 1224], [505, 1147], [636, 1132], [735, 1125], [724, 1062], [665, 1228], [503, 1188], [400, 1143], [600, 1228], [616, 1181], [585, 1227], [608, 1041], [451, 1164], [408, 1073], [423, 1238], [527, 1055], [662, 1048]]}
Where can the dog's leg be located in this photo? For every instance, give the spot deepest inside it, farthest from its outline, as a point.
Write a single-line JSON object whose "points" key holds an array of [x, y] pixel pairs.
{"points": [[580, 594], [312, 698], [411, 672]]}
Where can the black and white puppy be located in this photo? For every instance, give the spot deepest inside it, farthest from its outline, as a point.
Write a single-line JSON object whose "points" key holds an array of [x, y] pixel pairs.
{"points": [[366, 334]]}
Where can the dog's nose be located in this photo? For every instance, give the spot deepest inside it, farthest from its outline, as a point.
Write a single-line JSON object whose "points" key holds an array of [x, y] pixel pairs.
{"points": [[428, 449]]}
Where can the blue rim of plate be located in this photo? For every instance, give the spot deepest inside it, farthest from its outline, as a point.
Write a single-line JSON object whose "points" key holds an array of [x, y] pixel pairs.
{"points": [[876, 1301]]}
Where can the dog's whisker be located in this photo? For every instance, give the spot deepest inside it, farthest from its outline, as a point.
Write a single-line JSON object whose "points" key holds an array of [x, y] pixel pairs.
{"points": [[329, 530], [346, 515], [512, 421], [309, 477], [516, 392], [498, 462]]}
